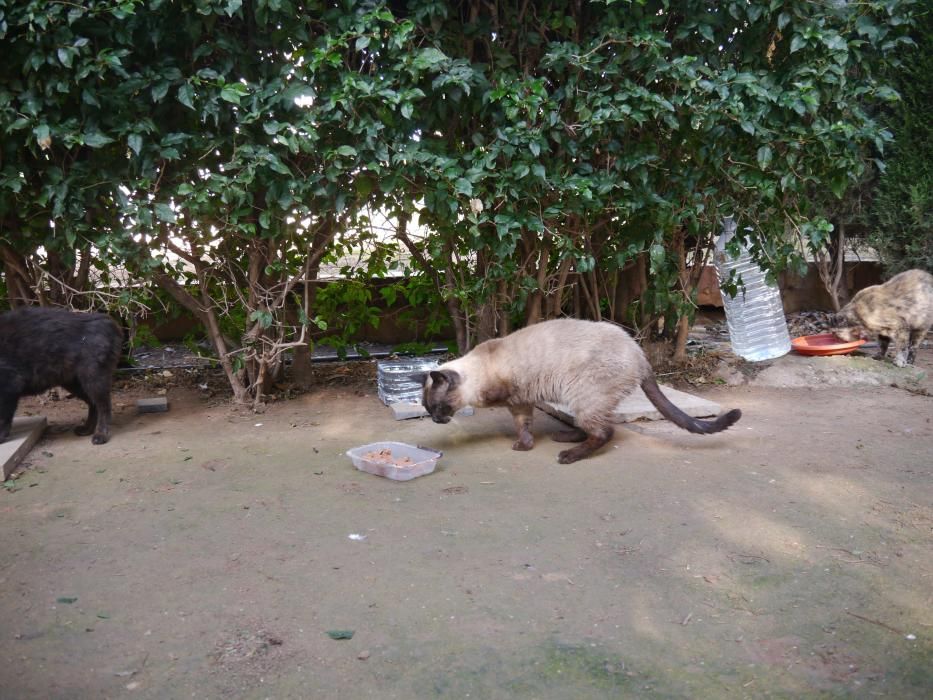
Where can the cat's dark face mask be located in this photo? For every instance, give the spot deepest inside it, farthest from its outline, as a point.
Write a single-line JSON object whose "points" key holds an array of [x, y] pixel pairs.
{"points": [[440, 394]]}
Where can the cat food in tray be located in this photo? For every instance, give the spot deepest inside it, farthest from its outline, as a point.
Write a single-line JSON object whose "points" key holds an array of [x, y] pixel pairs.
{"points": [[394, 460]]}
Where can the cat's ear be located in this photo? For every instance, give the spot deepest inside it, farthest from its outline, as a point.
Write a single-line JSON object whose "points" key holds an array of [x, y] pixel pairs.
{"points": [[445, 377], [420, 377]]}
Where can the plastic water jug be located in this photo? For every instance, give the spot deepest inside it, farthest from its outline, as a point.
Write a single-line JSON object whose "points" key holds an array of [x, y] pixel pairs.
{"points": [[755, 315]]}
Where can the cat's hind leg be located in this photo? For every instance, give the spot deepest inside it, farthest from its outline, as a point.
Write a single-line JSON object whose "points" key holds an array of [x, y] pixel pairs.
{"points": [[916, 338], [572, 435], [593, 420], [883, 342], [901, 341], [595, 439]]}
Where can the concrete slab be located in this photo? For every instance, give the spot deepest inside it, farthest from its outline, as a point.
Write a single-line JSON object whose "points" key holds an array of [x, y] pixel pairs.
{"points": [[403, 410], [155, 405], [24, 434], [637, 406], [801, 371]]}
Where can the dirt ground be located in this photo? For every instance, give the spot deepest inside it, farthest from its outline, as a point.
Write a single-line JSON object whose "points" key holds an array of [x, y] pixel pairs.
{"points": [[211, 552]]}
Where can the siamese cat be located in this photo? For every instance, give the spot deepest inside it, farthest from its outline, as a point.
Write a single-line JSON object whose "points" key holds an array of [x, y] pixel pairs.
{"points": [[898, 311], [586, 365]]}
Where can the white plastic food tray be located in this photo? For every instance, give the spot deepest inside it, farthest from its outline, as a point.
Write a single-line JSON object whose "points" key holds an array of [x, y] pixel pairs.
{"points": [[422, 460]]}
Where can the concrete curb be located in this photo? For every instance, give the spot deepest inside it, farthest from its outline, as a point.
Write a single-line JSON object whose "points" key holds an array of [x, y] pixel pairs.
{"points": [[23, 435]]}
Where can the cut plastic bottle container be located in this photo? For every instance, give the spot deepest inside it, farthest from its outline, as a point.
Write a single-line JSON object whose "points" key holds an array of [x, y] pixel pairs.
{"points": [[755, 315], [394, 379]]}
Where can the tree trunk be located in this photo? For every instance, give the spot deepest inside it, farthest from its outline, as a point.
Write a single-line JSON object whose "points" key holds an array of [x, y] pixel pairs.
{"points": [[830, 263], [19, 285], [632, 281], [302, 372], [208, 319], [535, 308], [555, 296], [487, 311], [682, 326], [256, 336], [680, 339]]}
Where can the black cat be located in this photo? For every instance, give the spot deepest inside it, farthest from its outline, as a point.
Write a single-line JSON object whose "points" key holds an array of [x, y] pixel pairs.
{"points": [[41, 348]]}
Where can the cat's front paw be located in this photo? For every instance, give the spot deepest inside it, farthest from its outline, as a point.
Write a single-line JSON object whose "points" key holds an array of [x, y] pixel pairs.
{"points": [[523, 444]]}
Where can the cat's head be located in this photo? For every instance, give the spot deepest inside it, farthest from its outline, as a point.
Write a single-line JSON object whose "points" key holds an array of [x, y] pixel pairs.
{"points": [[846, 326], [441, 394]]}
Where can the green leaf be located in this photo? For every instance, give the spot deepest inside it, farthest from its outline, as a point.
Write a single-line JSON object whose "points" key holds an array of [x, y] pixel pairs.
{"points": [[839, 184], [362, 42], [67, 600], [364, 187], [278, 166], [186, 95], [135, 142], [656, 256], [429, 58], [340, 634], [463, 186], [346, 150], [867, 28], [231, 93], [160, 90], [165, 213], [43, 136], [65, 56], [407, 110], [764, 157], [96, 139], [264, 318], [797, 43]]}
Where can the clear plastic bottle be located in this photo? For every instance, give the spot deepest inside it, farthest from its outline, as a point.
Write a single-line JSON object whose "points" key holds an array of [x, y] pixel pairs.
{"points": [[755, 315], [394, 378]]}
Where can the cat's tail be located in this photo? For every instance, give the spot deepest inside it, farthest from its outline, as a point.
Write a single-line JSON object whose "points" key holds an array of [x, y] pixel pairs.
{"points": [[681, 419]]}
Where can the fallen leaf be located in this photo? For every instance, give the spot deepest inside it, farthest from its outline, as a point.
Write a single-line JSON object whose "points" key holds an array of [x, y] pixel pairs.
{"points": [[340, 634]]}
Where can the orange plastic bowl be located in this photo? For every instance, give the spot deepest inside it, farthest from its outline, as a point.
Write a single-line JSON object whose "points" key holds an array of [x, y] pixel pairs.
{"points": [[824, 344]]}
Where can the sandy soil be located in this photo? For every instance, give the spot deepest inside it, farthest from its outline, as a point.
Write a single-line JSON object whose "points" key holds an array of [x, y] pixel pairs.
{"points": [[207, 552]]}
